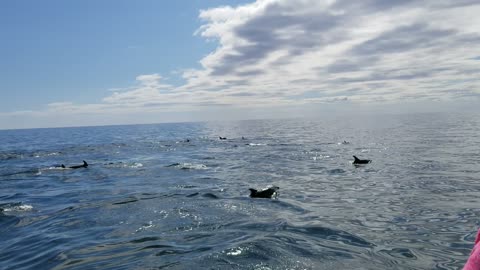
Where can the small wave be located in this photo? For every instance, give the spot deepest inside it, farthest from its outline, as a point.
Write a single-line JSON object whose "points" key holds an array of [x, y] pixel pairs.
{"points": [[173, 165], [145, 239], [255, 144], [210, 196], [317, 157], [236, 251], [188, 166], [21, 155], [312, 232], [136, 165], [48, 154], [15, 207], [55, 168], [205, 195], [185, 186], [333, 235], [141, 197], [400, 253], [130, 200], [9, 156], [120, 164], [145, 226], [31, 171], [336, 171]]}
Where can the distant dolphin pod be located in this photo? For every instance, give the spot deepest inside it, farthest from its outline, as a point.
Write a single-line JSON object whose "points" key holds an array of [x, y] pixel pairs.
{"points": [[361, 161], [84, 165], [266, 193]]}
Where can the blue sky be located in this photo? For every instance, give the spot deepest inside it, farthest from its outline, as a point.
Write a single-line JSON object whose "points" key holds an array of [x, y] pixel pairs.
{"points": [[70, 63], [61, 50]]}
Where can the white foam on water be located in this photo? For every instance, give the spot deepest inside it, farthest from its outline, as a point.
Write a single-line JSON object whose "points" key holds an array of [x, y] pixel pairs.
{"points": [[192, 166], [136, 165], [145, 226], [19, 208], [235, 251], [56, 168]]}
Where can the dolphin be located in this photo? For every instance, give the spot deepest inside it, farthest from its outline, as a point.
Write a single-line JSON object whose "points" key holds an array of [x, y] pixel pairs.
{"points": [[84, 165], [361, 161], [222, 138], [266, 193]]}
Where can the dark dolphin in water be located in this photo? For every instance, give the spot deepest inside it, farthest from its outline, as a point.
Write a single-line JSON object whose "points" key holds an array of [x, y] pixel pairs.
{"points": [[222, 138], [266, 193], [361, 161], [84, 165]]}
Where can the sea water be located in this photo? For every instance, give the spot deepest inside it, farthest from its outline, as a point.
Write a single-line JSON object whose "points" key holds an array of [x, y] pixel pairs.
{"points": [[174, 196]]}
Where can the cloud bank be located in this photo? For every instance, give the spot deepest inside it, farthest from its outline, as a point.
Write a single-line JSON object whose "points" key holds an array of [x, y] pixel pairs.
{"points": [[274, 53]]}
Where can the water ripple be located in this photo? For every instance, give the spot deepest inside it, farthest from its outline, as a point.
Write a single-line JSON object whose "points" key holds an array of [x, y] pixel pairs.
{"points": [[414, 207]]}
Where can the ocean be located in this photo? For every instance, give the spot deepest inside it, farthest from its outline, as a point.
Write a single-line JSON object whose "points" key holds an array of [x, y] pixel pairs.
{"points": [[175, 196]]}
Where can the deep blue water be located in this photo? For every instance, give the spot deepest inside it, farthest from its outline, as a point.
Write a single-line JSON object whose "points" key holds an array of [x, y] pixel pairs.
{"points": [[151, 200]]}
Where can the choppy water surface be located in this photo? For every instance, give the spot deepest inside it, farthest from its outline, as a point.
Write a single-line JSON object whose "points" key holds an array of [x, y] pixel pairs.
{"points": [[150, 199]]}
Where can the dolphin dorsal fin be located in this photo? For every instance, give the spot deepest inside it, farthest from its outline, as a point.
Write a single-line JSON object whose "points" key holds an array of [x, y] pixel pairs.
{"points": [[355, 158]]}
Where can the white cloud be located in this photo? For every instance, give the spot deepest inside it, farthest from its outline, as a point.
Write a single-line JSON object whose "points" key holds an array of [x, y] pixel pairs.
{"points": [[299, 46], [296, 52]]}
